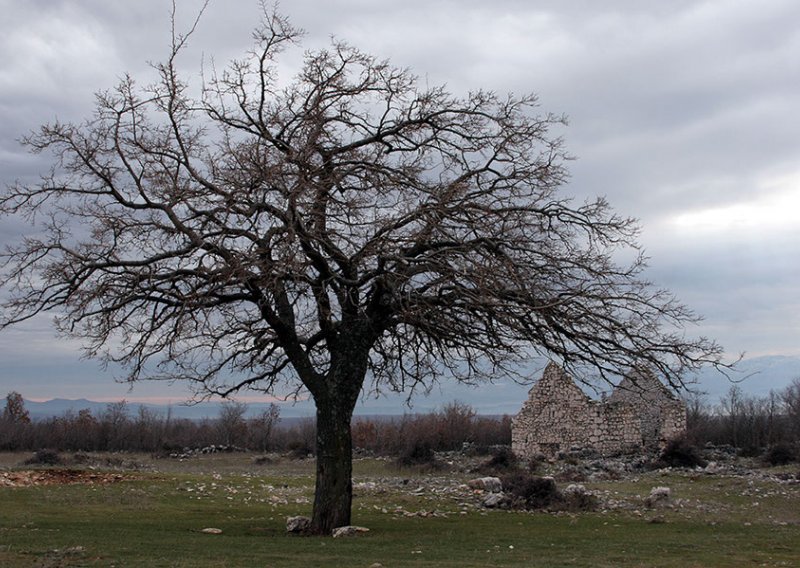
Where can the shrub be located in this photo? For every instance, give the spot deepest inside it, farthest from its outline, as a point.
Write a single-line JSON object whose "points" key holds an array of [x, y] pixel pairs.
{"points": [[45, 457], [503, 459], [749, 451], [780, 454], [81, 458], [535, 464], [299, 449], [576, 498], [419, 453], [530, 492], [680, 453], [527, 491], [571, 473]]}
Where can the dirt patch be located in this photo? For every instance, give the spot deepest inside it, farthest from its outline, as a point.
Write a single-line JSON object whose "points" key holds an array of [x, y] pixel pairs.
{"points": [[57, 477]]}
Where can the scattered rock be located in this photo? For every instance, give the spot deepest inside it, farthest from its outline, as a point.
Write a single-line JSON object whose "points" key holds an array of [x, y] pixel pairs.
{"points": [[59, 477], [575, 489], [211, 530], [659, 497], [349, 530], [298, 524], [212, 449], [495, 500], [490, 484], [73, 550]]}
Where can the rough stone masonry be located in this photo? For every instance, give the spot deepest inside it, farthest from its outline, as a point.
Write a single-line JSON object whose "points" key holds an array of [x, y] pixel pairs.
{"points": [[640, 415]]}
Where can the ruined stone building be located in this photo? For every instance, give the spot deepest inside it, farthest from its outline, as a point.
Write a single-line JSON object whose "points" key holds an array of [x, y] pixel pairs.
{"points": [[641, 414]]}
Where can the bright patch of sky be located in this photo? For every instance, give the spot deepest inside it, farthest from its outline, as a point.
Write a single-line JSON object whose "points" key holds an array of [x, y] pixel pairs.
{"points": [[773, 207]]}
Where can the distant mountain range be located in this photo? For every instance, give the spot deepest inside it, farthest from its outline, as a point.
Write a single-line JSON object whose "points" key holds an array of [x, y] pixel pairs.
{"points": [[755, 376]]}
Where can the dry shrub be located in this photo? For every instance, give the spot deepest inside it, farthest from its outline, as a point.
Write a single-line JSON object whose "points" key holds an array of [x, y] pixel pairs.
{"points": [[530, 492], [570, 474], [81, 458], [299, 449], [575, 498], [502, 460], [780, 454], [45, 457], [418, 454], [679, 452], [366, 434]]}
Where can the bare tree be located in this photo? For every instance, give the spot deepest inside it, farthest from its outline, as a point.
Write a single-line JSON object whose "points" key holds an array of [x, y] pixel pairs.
{"points": [[231, 423], [114, 426], [791, 404], [262, 426], [349, 224]]}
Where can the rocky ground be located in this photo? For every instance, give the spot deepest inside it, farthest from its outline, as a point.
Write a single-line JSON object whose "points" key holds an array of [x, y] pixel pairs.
{"points": [[727, 485], [461, 484], [57, 477]]}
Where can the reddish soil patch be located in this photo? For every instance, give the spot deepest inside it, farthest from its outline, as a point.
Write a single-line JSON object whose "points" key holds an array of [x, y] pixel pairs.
{"points": [[57, 477]]}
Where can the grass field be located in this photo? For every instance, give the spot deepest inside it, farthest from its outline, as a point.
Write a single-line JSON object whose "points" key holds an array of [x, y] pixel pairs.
{"points": [[154, 515]]}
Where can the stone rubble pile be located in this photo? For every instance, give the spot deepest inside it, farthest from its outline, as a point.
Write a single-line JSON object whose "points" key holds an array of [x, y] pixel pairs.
{"points": [[187, 453]]}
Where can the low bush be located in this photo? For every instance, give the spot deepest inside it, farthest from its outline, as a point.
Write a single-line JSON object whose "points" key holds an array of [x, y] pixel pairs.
{"points": [[571, 473], [81, 458], [299, 449], [502, 460], [679, 452], [750, 451], [575, 498], [45, 457], [262, 460], [780, 454], [535, 464], [417, 454], [529, 491]]}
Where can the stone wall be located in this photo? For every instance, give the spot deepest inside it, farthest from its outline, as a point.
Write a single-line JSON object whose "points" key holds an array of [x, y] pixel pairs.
{"points": [[641, 414], [661, 415]]}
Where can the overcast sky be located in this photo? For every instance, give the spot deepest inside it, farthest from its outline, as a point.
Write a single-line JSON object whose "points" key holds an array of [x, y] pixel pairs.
{"points": [[685, 114]]}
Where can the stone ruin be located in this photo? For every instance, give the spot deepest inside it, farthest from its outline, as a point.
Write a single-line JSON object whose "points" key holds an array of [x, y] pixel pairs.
{"points": [[640, 415]]}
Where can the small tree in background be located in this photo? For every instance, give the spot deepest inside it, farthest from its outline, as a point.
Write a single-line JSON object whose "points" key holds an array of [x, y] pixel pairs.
{"points": [[15, 411], [114, 426], [13, 422], [263, 425], [349, 223], [791, 404], [231, 422]]}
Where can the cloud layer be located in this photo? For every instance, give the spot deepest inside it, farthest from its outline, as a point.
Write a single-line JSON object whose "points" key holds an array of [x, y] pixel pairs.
{"points": [[684, 114]]}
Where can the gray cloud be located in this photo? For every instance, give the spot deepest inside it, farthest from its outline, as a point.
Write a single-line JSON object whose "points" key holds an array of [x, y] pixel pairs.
{"points": [[675, 108]]}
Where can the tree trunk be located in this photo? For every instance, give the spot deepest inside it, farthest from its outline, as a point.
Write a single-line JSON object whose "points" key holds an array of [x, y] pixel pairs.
{"points": [[334, 488]]}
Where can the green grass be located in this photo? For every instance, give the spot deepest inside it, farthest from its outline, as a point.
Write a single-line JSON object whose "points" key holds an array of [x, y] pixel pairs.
{"points": [[155, 518]]}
